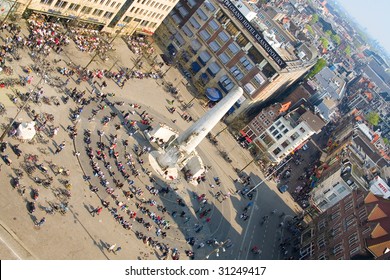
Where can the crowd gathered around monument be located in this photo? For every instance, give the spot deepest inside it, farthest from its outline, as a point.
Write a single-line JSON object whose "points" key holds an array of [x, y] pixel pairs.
{"points": [[114, 156]]}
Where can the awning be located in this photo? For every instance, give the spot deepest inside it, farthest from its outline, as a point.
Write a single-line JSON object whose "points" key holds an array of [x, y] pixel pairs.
{"points": [[195, 67], [243, 133], [248, 139], [214, 94]]}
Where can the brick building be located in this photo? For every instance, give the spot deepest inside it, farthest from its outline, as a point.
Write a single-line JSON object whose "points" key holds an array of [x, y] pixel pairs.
{"points": [[358, 226]]}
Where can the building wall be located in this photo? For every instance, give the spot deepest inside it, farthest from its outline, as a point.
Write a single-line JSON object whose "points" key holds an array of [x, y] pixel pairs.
{"points": [[128, 16], [340, 232], [262, 121], [241, 59], [284, 138]]}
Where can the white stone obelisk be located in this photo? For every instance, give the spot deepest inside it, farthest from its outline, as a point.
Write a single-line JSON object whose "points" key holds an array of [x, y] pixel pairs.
{"points": [[186, 143]]}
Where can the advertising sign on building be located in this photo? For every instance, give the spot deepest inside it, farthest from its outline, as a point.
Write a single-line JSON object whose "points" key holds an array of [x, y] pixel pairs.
{"points": [[379, 187]]}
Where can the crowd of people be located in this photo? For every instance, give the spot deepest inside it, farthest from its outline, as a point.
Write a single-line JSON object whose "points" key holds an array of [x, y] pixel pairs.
{"points": [[116, 169], [45, 35], [139, 45], [89, 40]]}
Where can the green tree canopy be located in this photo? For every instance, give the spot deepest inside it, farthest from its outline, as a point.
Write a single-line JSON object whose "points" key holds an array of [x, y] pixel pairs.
{"points": [[310, 29], [321, 63], [387, 141], [347, 50], [336, 38], [314, 19], [324, 42], [373, 118], [328, 33]]}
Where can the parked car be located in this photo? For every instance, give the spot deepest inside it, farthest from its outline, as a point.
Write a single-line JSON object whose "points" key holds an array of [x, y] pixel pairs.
{"points": [[305, 147], [283, 188]]}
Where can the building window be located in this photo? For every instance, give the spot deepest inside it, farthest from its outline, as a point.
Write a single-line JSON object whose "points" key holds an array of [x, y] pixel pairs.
{"points": [[321, 243], [194, 23], [249, 88], [233, 48], [204, 34], [61, 4], [214, 25], [236, 73], [276, 151], [272, 128], [209, 6], [47, 2], [214, 46], [223, 36], [86, 10], [352, 239], [201, 14], [108, 14], [73, 7], [127, 19], [213, 69], [187, 31], [335, 215], [354, 251], [321, 224], [294, 136], [301, 129], [97, 12], [338, 249], [191, 3], [258, 80], [348, 205], [224, 58], [285, 144]]}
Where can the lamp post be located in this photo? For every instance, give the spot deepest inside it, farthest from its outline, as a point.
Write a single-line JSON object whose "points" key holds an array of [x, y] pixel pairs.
{"points": [[217, 250], [112, 40], [268, 177]]}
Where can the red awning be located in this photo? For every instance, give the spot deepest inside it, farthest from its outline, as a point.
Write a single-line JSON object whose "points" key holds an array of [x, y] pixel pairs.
{"points": [[243, 133], [248, 139]]}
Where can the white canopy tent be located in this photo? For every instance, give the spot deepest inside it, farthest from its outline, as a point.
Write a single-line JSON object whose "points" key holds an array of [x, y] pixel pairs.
{"points": [[26, 131]]}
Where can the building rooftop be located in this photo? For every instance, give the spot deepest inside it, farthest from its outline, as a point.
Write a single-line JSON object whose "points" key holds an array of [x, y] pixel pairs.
{"points": [[379, 217], [369, 149], [313, 121]]}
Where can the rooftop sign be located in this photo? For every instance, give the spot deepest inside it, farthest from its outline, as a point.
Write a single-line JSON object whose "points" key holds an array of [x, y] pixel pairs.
{"points": [[259, 38], [379, 187]]}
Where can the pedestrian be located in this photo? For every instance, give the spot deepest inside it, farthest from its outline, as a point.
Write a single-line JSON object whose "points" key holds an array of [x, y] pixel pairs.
{"points": [[208, 220], [117, 250], [111, 248]]}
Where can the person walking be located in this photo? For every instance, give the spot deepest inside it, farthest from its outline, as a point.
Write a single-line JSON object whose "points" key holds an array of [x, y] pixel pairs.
{"points": [[111, 248], [96, 211], [60, 147], [117, 249], [41, 222]]}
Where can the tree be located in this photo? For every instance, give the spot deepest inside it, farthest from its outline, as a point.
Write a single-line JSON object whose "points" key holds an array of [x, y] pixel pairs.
{"points": [[373, 118], [387, 141], [328, 33], [324, 42], [336, 38], [310, 29], [314, 19], [321, 63], [347, 50]]}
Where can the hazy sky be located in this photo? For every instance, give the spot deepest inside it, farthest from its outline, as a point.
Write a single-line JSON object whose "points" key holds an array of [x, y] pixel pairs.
{"points": [[372, 14]]}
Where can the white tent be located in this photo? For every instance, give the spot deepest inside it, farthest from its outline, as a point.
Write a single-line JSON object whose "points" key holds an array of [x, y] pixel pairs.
{"points": [[26, 131]]}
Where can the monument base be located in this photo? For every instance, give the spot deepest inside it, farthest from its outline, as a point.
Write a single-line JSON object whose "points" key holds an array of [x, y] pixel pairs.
{"points": [[169, 174]]}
